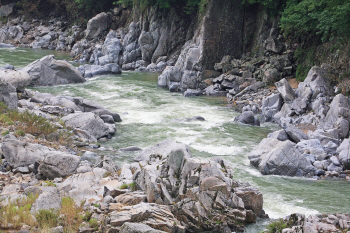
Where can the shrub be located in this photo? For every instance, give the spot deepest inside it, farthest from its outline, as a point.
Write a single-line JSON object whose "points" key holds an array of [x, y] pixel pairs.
{"points": [[93, 223], [70, 214], [20, 133], [276, 226], [123, 186], [47, 218], [17, 212], [133, 186]]}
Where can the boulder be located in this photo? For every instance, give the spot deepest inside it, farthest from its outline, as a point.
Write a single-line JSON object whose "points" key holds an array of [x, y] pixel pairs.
{"points": [[20, 154], [48, 71], [58, 164], [316, 82], [312, 145], [338, 117], [3, 45], [270, 106], [281, 135], [129, 227], [271, 75], [17, 78], [88, 122], [89, 71], [162, 150], [6, 10], [344, 153], [112, 50], [248, 118], [46, 201], [97, 25], [157, 216], [8, 95], [295, 134], [170, 74], [273, 157], [286, 91]]}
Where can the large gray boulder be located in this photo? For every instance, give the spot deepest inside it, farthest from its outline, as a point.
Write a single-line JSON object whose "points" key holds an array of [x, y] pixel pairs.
{"points": [[273, 157], [49, 99], [96, 26], [129, 227], [270, 106], [248, 118], [344, 153], [17, 78], [170, 74], [295, 134], [338, 117], [58, 164], [89, 71], [88, 122], [316, 82], [46, 201], [162, 149], [8, 95], [21, 154], [112, 50], [314, 147], [6, 10], [48, 71], [159, 217], [286, 91]]}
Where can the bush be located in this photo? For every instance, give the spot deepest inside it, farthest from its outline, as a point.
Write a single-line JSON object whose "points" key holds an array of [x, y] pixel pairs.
{"points": [[93, 223], [17, 212], [70, 214], [124, 186], [47, 218], [276, 226]]}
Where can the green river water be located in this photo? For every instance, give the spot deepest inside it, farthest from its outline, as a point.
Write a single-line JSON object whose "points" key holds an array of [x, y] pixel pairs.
{"points": [[148, 114]]}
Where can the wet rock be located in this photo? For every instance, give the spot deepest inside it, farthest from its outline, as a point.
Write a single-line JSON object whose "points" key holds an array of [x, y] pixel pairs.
{"points": [[3, 45], [249, 118], [89, 71], [48, 71]]}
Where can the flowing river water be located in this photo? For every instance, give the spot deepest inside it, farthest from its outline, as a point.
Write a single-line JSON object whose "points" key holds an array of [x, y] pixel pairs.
{"points": [[149, 112]]}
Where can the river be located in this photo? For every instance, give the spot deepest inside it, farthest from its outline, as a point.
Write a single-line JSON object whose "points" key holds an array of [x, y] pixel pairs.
{"points": [[149, 112]]}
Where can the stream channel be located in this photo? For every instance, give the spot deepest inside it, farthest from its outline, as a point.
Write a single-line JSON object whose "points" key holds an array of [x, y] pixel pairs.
{"points": [[149, 112]]}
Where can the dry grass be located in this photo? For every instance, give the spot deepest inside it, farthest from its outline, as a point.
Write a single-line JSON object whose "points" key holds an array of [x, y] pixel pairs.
{"points": [[17, 212], [70, 215]]}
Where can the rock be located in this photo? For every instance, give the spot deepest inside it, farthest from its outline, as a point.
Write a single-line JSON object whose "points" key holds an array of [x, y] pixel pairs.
{"points": [[3, 45], [271, 75], [158, 216], [295, 134], [344, 153], [132, 198], [96, 26], [48, 71], [320, 172], [130, 148], [17, 78], [88, 122], [248, 118], [42, 42], [58, 164], [20, 154], [299, 106], [162, 150], [8, 95], [338, 117], [281, 135], [312, 145], [270, 106], [129, 227], [6, 10], [316, 82], [170, 74], [101, 111], [332, 167], [335, 161], [89, 71], [285, 90], [107, 119], [46, 201], [191, 93], [273, 157]]}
